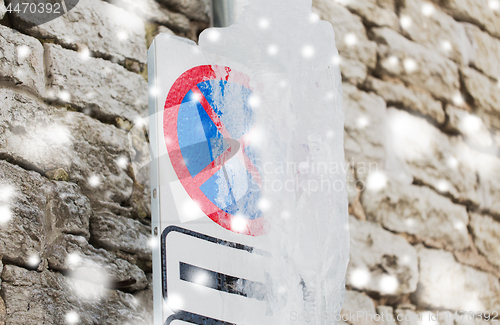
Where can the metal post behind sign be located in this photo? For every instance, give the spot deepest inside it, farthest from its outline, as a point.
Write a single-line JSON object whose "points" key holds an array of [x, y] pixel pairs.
{"points": [[226, 12]]}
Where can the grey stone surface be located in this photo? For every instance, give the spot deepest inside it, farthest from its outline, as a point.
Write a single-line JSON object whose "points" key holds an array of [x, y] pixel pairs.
{"points": [[477, 12], [365, 128], [486, 95], [415, 64], [488, 173], [485, 231], [105, 29], [350, 34], [47, 298], [358, 302], [486, 51], [380, 261], [106, 91], [118, 233], [375, 12], [67, 211], [21, 60], [67, 146], [22, 232], [446, 284], [145, 298], [152, 11], [74, 256], [395, 93], [438, 31], [194, 9], [431, 157], [3, 10], [470, 126], [39, 210], [418, 211]]}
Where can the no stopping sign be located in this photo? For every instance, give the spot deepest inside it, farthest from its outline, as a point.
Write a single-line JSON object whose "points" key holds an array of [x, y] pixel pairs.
{"points": [[207, 120]]}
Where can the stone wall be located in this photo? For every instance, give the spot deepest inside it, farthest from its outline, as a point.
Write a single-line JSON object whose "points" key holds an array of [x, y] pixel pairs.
{"points": [[422, 101]]}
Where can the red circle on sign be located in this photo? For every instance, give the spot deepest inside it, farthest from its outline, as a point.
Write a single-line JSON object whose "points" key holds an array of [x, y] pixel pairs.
{"points": [[188, 81]]}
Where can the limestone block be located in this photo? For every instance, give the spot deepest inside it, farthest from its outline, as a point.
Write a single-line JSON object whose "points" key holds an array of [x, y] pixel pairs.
{"points": [[105, 29], [418, 211], [395, 93], [350, 34], [75, 257], [66, 146], [485, 231], [436, 30], [375, 12], [357, 308], [416, 64], [486, 96], [380, 261], [486, 51], [95, 86], [21, 60], [194, 9], [446, 284], [47, 298], [118, 233], [365, 128], [152, 11], [431, 157], [477, 12]]}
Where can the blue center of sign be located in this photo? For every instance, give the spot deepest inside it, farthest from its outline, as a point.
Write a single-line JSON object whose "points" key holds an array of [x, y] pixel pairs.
{"points": [[233, 188]]}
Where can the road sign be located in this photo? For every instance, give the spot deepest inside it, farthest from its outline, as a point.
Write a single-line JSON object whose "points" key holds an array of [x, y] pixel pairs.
{"points": [[206, 117], [209, 266]]}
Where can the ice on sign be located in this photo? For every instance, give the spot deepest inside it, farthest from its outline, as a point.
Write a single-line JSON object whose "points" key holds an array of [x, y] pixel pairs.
{"points": [[247, 139]]}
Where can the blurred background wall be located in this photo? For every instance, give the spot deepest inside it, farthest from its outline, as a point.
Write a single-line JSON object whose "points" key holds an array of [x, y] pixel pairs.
{"points": [[422, 103]]}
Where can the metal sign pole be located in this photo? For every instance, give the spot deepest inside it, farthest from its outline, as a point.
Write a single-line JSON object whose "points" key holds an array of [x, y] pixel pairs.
{"points": [[226, 12]]}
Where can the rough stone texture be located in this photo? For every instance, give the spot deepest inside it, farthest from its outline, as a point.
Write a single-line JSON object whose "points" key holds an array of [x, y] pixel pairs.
{"points": [[486, 51], [145, 298], [3, 11], [85, 150], [364, 128], [21, 60], [378, 259], [119, 233], [486, 96], [485, 231], [387, 314], [351, 39], [46, 298], [65, 200], [415, 64], [74, 256], [358, 302], [431, 157], [105, 29], [194, 9], [107, 91], [411, 98], [431, 164], [446, 284], [41, 211], [477, 12], [152, 11], [469, 125], [437, 31], [419, 211], [374, 12], [24, 235]]}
